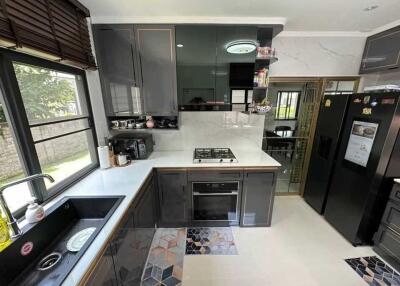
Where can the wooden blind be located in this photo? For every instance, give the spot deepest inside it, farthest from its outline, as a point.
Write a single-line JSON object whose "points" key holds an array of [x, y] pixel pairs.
{"points": [[55, 27]]}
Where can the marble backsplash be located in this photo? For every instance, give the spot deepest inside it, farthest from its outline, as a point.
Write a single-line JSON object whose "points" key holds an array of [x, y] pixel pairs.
{"points": [[212, 129]]}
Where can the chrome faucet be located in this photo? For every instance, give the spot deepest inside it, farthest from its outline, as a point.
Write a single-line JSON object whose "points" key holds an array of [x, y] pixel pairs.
{"points": [[12, 222]]}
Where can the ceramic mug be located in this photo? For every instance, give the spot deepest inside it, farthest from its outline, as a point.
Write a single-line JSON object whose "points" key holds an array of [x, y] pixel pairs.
{"points": [[122, 159]]}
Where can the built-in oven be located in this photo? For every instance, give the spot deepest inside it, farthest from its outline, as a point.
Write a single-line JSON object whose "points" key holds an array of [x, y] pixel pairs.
{"points": [[215, 201]]}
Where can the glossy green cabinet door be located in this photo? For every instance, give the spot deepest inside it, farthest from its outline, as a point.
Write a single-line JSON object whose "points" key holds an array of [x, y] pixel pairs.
{"points": [[196, 58], [257, 198], [104, 274], [174, 199], [118, 69], [155, 46]]}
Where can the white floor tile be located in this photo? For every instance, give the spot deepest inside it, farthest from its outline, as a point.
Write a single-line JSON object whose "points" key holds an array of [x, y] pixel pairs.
{"points": [[300, 248]]}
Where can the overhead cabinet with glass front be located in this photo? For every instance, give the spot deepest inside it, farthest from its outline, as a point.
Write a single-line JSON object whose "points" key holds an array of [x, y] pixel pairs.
{"points": [[214, 64], [137, 68]]}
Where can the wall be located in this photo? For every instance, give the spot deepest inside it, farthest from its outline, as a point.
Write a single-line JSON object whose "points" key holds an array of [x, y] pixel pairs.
{"points": [[317, 55], [96, 98], [212, 129]]}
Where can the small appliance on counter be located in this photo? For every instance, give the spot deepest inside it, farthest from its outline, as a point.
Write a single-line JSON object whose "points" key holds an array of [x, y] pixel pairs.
{"points": [[134, 145], [213, 155]]}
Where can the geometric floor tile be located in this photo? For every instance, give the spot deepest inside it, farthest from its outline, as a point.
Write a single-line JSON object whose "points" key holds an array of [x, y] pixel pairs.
{"points": [[374, 271], [210, 241], [164, 264]]}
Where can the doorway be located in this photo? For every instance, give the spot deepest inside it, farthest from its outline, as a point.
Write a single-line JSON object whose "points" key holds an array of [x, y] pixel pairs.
{"points": [[290, 125]]}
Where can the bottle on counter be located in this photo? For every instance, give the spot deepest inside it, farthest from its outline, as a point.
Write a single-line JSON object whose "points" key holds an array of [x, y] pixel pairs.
{"points": [[5, 239], [34, 212], [111, 155]]}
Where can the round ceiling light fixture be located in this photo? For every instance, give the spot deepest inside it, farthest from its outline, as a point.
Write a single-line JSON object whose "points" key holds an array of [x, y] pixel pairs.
{"points": [[179, 45], [241, 47], [370, 8]]}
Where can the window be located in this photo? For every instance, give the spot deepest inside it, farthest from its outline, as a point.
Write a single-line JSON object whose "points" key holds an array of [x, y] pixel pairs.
{"points": [[287, 104], [10, 165], [52, 126], [241, 99], [340, 87]]}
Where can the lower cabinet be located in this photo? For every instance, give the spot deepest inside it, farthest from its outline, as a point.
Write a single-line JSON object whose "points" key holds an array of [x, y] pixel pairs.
{"points": [[124, 261], [104, 274], [387, 238], [173, 198], [257, 198]]}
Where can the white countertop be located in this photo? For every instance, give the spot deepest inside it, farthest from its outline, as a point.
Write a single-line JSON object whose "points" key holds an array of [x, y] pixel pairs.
{"points": [[128, 180]]}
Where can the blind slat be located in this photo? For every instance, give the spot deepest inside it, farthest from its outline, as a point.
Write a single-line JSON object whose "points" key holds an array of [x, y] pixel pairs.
{"points": [[57, 27]]}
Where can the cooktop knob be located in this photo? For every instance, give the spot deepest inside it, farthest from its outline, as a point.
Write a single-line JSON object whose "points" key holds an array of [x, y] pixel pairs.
{"points": [[221, 160], [199, 160], [231, 160]]}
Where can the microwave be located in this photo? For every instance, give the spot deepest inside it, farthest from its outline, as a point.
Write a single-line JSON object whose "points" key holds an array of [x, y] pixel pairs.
{"points": [[137, 146]]}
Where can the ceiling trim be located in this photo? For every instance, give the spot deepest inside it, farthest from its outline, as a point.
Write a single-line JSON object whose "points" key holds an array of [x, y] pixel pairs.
{"points": [[322, 34], [189, 20]]}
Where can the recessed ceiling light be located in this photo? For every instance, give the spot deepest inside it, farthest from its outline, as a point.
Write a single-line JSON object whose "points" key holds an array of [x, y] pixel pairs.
{"points": [[179, 45], [241, 47], [370, 8]]}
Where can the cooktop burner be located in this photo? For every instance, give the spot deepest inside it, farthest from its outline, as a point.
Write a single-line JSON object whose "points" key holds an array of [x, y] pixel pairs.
{"points": [[213, 155]]}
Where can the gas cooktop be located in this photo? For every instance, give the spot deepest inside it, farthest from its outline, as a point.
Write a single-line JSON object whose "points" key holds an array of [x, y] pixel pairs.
{"points": [[213, 155]]}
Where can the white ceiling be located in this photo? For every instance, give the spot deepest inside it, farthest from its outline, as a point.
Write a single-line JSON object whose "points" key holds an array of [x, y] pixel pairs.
{"points": [[299, 15]]}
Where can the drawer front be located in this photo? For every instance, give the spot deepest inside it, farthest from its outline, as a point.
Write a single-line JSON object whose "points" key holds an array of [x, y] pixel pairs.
{"points": [[395, 194], [388, 241], [391, 216], [202, 175]]}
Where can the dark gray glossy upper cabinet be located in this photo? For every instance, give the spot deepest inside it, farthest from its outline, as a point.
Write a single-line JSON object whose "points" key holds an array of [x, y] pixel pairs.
{"points": [[115, 52], [207, 72], [257, 198], [173, 198], [233, 70], [196, 59], [382, 52], [156, 53]]}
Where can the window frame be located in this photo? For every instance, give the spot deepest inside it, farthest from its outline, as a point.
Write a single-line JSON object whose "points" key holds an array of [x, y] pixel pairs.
{"points": [[246, 97], [279, 93], [17, 119]]}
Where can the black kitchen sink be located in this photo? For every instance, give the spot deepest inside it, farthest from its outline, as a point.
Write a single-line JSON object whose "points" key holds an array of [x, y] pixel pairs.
{"points": [[40, 255]]}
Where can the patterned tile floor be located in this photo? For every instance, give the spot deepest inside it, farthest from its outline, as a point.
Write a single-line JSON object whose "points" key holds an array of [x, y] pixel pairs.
{"points": [[210, 240], [374, 271], [165, 261], [164, 266]]}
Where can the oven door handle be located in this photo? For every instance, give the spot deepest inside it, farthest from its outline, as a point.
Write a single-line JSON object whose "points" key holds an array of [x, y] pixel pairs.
{"points": [[215, 194]]}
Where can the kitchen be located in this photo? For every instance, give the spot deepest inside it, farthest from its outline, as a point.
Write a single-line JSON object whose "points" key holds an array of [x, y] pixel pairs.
{"points": [[154, 144]]}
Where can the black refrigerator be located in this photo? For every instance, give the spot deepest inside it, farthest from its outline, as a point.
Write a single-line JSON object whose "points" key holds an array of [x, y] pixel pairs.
{"points": [[328, 130], [365, 166]]}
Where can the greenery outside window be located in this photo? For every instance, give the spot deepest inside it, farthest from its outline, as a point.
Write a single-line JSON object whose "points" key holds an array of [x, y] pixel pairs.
{"points": [[287, 105], [48, 111]]}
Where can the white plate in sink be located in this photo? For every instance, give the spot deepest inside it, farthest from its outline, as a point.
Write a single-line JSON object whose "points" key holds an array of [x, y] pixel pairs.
{"points": [[76, 242]]}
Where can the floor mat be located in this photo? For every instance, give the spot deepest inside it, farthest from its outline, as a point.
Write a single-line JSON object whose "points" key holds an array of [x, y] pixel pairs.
{"points": [[210, 240], [374, 271], [165, 261]]}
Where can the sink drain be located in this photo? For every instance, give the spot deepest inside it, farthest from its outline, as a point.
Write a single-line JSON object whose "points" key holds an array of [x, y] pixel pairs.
{"points": [[49, 261]]}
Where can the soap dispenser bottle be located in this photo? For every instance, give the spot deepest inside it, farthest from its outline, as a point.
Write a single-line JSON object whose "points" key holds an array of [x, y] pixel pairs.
{"points": [[34, 212]]}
